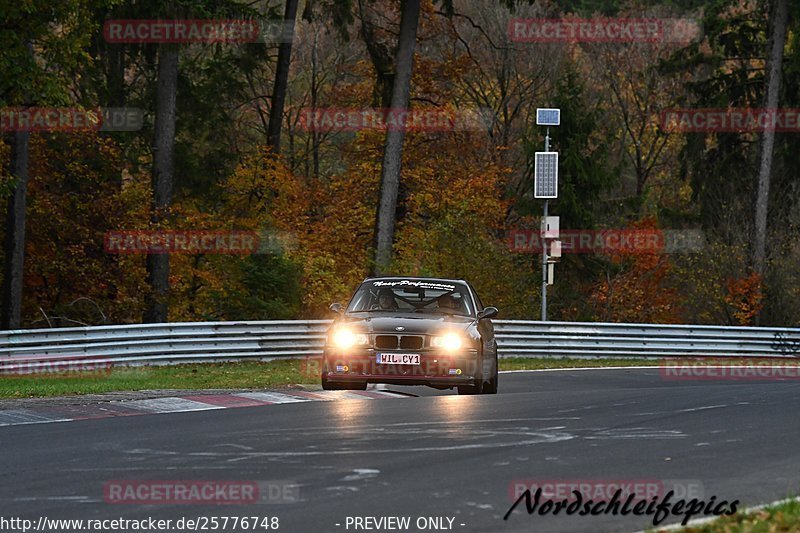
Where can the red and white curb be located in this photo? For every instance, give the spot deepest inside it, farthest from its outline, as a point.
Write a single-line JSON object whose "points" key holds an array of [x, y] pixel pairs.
{"points": [[41, 414]]}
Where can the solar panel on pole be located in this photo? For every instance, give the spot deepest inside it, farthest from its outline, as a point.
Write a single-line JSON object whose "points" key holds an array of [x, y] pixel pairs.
{"points": [[545, 175], [546, 116]]}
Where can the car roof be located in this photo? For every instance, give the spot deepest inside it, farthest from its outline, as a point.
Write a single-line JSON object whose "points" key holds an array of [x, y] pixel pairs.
{"points": [[414, 278]]}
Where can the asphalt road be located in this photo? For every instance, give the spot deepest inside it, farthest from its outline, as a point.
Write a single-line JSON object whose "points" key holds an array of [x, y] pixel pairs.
{"points": [[436, 455]]}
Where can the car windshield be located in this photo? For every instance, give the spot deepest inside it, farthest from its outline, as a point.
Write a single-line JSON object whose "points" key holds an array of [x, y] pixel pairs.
{"points": [[412, 296]]}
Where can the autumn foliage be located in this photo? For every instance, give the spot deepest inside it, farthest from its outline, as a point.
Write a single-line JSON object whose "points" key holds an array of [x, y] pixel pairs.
{"points": [[638, 289], [313, 205], [744, 297]]}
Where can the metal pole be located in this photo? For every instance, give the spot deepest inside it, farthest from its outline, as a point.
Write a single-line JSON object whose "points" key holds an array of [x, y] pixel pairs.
{"points": [[544, 271], [544, 243]]}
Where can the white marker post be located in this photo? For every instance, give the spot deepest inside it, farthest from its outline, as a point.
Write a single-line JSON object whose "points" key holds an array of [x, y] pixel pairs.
{"points": [[546, 186]]}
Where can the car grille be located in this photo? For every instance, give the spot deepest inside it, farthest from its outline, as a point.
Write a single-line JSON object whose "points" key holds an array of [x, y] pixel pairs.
{"points": [[386, 341], [409, 342], [392, 342]]}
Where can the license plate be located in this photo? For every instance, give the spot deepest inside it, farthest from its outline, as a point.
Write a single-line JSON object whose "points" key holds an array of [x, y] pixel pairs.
{"points": [[397, 358]]}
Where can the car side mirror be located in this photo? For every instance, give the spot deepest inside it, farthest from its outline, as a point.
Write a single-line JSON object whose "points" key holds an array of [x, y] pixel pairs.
{"points": [[488, 312], [336, 308]]}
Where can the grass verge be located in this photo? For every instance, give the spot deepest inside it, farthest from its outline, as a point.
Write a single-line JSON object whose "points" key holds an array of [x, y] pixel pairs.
{"points": [[781, 517], [524, 363], [246, 375]]}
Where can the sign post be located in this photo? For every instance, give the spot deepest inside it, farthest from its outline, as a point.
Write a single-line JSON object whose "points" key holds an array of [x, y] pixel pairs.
{"points": [[545, 186]]}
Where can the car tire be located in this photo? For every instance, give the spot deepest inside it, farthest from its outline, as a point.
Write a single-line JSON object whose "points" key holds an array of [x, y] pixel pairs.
{"points": [[490, 387], [470, 389], [327, 385]]}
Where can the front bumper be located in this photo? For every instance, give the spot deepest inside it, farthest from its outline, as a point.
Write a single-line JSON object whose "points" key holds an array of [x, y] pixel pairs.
{"points": [[436, 368]]}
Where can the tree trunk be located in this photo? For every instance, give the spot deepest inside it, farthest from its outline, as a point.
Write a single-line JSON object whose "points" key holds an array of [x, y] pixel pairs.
{"points": [[281, 79], [379, 54], [11, 316], [392, 155], [315, 136], [772, 80], [163, 169]]}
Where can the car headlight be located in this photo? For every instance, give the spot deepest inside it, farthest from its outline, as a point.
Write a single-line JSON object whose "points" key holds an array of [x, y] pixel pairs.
{"points": [[449, 341], [344, 338]]}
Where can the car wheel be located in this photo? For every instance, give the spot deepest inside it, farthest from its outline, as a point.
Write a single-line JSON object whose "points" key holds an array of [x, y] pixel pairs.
{"points": [[327, 385], [470, 389], [490, 387]]}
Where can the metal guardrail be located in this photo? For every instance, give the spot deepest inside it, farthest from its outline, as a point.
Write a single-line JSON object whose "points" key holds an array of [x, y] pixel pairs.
{"points": [[169, 343], [522, 338], [184, 342]]}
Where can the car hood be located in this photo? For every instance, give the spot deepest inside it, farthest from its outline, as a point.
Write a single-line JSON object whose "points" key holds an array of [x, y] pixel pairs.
{"points": [[429, 324]]}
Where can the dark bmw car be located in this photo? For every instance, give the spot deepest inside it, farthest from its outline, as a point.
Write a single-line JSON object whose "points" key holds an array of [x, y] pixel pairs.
{"points": [[412, 331]]}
